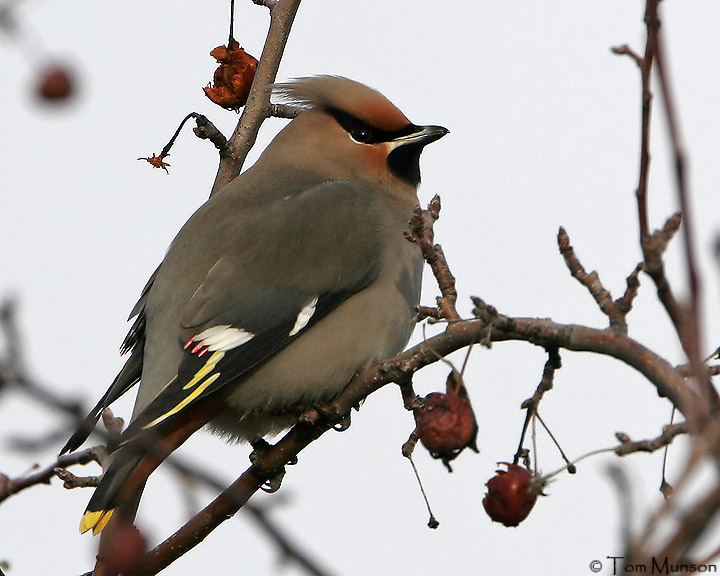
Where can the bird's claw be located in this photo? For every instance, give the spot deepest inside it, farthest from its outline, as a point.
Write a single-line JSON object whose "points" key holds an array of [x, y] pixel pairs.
{"points": [[274, 477], [339, 422]]}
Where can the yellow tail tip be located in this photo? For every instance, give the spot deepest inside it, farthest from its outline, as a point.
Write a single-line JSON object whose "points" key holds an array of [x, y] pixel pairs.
{"points": [[95, 521]]}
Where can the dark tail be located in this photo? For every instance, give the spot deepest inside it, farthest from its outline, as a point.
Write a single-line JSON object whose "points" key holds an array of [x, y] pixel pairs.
{"points": [[123, 481], [137, 457]]}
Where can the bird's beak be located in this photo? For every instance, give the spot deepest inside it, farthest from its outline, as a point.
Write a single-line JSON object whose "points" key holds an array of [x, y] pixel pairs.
{"points": [[422, 136]]}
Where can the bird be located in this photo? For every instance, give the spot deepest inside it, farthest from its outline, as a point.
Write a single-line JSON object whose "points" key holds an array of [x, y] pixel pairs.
{"points": [[277, 290]]}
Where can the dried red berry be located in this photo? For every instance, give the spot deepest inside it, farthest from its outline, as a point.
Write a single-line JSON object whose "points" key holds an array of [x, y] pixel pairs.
{"points": [[54, 83], [233, 78], [446, 425], [511, 495], [124, 550]]}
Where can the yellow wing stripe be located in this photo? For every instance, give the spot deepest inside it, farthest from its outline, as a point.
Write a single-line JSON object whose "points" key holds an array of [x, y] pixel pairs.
{"points": [[95, 521], [180, 405], [206, 369]]}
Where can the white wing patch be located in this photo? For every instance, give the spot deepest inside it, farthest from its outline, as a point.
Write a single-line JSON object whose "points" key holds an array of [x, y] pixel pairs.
{"points": [[304, 317], [218, 338]]}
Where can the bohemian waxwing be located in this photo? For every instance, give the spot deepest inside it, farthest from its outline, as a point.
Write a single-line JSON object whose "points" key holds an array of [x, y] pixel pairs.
{"points": [[278, 289]]}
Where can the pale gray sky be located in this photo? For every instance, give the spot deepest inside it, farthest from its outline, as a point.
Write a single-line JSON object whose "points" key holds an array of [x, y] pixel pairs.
{"points": [[544, 125]]}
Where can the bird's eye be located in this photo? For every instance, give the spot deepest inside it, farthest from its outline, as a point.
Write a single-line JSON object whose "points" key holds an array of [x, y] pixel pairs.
{"points": [[361, 134]]}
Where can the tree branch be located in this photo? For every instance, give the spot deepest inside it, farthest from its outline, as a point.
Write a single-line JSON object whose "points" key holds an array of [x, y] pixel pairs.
{"points": [[421, 232], [457, 335], [669, 432], [615, 310], [685, 318], [692, 330], [257, 108], [9, 486]]}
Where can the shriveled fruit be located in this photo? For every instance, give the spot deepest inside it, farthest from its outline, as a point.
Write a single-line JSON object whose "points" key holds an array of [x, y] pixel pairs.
{"points": [[511, 494], [124, 551], [446, 425], [54, 83], [233, 78]]}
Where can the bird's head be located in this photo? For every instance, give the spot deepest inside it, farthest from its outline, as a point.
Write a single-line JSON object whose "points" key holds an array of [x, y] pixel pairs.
{"points": [[349, 130]]}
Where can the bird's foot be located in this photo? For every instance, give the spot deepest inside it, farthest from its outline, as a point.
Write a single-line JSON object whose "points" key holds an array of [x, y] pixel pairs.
{"points": [[339, 422], [274, 477]]}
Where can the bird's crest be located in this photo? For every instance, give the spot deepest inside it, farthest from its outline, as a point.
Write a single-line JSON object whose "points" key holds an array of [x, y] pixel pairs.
{"points": [[339, 93]]}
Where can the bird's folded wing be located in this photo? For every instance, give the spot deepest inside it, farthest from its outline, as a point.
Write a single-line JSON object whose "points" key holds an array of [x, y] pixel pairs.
{"points": [[228, 329], [232, 323]]}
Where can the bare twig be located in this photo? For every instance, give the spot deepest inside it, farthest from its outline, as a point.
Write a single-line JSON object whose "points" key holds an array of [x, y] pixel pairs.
{"points": [[546, 333], [421, 232], [686, 319], [691, 335], [552, 364], [284, 110], [625, 302], [669, 432], [652, 24], [204, 129], [615, 310], [289, 549], [232, 499], [652, 252], [654, 246], [570, 466], [9, 486], [257, 108]]}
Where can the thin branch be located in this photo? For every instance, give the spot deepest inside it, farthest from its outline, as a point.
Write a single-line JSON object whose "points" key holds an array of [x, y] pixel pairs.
{"points": [[570, 466], [421, 232], [531, 405], [625, 302], [257, 108], [652, 25], [206, 130], [592, 282], [691, 335], [625, 50], [231, 35], [686, 319], [653, 248], [543, 332], [627, 446], [113, 427], [284, 110], [9, 486], [652, 252], [232, 499], [680, 172], [288, 548]]}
